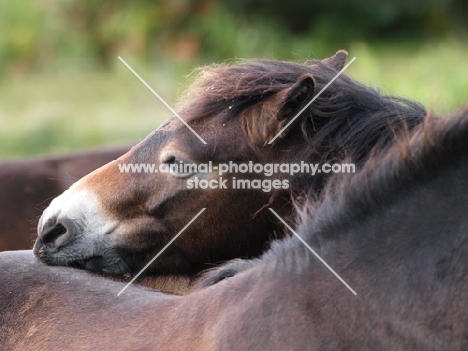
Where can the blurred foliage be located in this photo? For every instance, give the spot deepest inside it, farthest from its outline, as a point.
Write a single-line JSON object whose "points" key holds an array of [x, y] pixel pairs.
{"points": [[62, 87], [360, 19], [42, 35]]}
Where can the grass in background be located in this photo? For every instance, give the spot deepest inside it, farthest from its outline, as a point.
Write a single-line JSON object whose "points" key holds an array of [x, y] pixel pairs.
{"points": [[63, 112], [70, 110], [434, 74]]}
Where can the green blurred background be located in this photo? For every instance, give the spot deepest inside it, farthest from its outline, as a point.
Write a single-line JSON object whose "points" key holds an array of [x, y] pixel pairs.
{"points": [[62, 87]]}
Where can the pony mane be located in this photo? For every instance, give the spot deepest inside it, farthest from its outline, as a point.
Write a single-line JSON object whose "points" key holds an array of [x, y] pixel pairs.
{"points": [[347, 119], [414, 160]]}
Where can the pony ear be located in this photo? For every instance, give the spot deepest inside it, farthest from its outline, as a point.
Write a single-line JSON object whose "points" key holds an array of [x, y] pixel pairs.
{"points": [[295, 98], [291, 102], [278, 111], [337, 61]]}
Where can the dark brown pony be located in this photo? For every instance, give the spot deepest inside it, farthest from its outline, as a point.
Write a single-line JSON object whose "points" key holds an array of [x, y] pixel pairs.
{"points": [[397, 232], [115, 222], [28, 186]]}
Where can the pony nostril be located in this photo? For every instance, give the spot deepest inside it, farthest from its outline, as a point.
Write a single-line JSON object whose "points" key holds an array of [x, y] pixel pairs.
{"points": [[52, 233]]}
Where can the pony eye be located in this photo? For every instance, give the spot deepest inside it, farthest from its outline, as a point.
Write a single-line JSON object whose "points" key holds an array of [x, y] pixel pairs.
{"points": [[175, 166], [171, 160], [174, 161], [178, 169]]}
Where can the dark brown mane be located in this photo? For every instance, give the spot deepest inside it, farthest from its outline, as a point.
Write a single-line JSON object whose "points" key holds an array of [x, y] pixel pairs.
{"points": [[234, 87], [436, 145]]}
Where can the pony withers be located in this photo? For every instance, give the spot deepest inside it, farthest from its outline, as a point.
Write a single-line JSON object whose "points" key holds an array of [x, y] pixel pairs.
{"points": [[396, 232], [115, 222]]}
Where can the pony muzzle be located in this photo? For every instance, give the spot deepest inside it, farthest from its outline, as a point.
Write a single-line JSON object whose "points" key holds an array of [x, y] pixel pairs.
{"points": [[56, 233]]}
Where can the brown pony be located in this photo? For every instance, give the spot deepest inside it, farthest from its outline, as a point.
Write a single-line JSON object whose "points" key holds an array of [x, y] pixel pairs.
{"points": [[397, 232], [115, 222], [28, 186]]}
